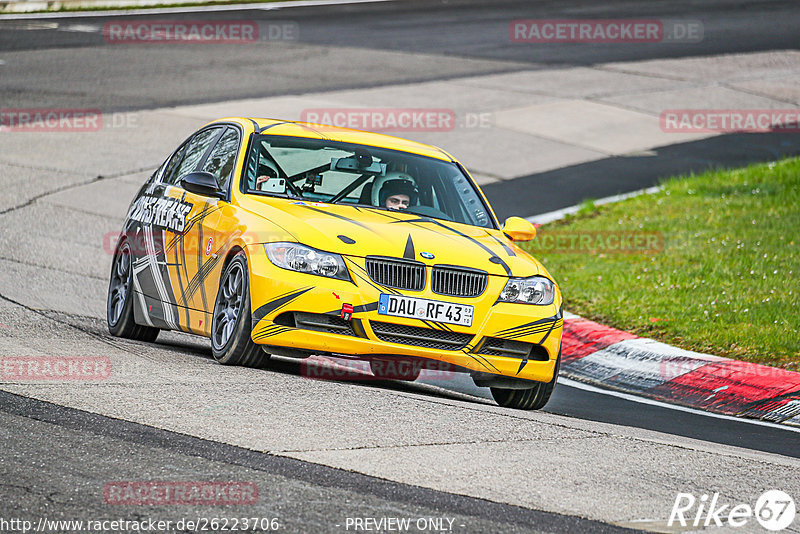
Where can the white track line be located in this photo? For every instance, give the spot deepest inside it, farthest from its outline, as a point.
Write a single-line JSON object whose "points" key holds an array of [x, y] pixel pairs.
{"points": [[550, 216], [627, 396], [265, 6]]}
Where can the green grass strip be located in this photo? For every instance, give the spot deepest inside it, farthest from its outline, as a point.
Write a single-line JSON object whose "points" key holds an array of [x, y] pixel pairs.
{"points": [[723, 279]]}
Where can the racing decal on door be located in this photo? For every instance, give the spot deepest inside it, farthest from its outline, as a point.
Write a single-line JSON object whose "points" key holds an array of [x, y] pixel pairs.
{"points": [[163, 212]]}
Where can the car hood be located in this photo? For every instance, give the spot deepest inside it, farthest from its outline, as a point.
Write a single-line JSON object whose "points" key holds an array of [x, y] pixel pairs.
{"points": [[355, 231]]}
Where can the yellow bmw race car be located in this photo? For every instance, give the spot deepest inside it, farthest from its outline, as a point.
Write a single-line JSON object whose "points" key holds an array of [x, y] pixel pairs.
{"points": [[285, 238]]}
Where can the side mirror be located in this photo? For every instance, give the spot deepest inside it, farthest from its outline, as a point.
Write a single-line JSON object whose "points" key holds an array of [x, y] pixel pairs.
{"points": [[518, 229], [202, 183]]}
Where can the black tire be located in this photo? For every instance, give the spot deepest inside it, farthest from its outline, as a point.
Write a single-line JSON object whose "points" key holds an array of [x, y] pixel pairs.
{"points": [[534, 398], [231, 323], [399, 369], [119, 304]]}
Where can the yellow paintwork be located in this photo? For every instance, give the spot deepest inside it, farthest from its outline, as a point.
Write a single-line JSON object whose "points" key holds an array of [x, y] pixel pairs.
{"points": [[248, 221]]}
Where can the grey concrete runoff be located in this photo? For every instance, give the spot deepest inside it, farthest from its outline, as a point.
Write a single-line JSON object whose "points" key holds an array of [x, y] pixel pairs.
{"points": [[299, 496], [68, 190]]}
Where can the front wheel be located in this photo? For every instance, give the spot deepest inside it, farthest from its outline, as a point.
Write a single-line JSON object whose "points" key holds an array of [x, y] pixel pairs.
{"points": [[231, 323], [119, 305], [534, 398]]}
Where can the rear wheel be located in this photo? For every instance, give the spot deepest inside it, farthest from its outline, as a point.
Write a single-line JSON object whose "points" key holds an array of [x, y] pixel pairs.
{"points": [[534, 398], [231, 323], [119, 305]]}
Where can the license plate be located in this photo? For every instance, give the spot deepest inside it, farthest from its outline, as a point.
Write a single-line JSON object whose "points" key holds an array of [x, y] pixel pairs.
{"points": [[427, 310]]}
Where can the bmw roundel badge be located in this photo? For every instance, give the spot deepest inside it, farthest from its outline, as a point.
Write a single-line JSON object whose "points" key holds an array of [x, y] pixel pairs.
{"points": [[427, 255]]}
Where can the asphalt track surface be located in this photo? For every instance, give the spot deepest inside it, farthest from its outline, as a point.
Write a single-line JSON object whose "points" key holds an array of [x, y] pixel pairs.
{"points": [[311, 495], [49, 66]]}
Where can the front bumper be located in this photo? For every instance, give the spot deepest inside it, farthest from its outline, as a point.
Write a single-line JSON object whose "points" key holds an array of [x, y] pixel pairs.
{"points": [[302, 311]]}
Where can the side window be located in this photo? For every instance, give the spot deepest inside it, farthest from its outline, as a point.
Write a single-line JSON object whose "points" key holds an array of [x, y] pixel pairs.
{"points": [[192, 155], [222, 158], [172, 164]]}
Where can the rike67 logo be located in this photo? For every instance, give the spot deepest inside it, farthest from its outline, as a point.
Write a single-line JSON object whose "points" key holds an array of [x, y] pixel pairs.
{"points": [[774, 510]]}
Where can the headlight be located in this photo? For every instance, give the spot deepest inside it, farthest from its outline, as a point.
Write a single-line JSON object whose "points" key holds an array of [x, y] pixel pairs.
{"points": [[303, 259], [534, 290]]}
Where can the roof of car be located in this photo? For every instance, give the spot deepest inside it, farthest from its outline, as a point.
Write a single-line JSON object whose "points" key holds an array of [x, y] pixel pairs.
{"points": [[345, 135]]}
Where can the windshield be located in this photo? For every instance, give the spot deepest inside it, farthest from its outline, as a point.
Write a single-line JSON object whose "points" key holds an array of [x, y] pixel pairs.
{"points": [[327, 171]]}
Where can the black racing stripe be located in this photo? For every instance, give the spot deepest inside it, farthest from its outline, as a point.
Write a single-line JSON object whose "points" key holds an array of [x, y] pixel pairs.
{"points": [[180, 286], [278, 302], [548, 332], [442, 326], [386, 214], [337, 216], [429, 324], [494, 258], [380, 288], [409, 253], [205, 271], [484, 247], [525, 360], [265, 128], [417, 220], [199, 254], [200, 277], [499, 261], [526, 325], [190, 224], [473, 356], [525, 334], [508, 249], [270, 331], [487, 361], [529, 331]]}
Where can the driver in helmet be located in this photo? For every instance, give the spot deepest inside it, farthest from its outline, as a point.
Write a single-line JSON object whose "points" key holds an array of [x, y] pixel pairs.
{"points": [[395, 191]]}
